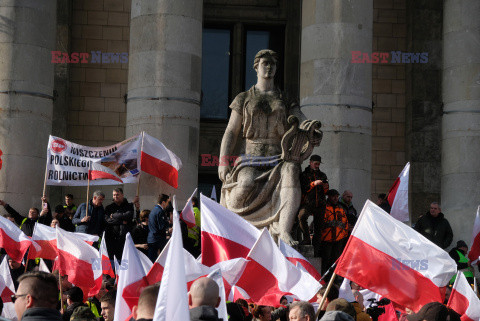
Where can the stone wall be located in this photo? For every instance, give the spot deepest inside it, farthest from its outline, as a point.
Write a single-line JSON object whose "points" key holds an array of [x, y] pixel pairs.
{"points": [[388, 89], [97, 113]]}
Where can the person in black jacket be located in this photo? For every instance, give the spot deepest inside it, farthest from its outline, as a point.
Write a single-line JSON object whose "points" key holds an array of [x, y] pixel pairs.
{"points": [[63, 220], [203, 298], [94, 223], [435, 227], [74, 300], [118, 216], [314, 185], [27, 224]]}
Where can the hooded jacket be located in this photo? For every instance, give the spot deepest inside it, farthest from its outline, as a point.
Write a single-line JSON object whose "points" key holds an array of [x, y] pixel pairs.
{"points": [[204, 313]]}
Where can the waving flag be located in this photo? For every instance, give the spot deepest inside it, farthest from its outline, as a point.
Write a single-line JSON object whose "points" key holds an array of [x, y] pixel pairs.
{"points": [[75, 259], [474, 253], [188, 215], [106, 264], [225, 235], [463, 300], [293, 256], [98, 171], [269, 275], [398, 196], [393, 260], [13, 240], [172, 301], [159, 161]]}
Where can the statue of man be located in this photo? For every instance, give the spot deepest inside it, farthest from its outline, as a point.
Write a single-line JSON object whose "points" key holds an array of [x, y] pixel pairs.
{"points": [[263, 186]]}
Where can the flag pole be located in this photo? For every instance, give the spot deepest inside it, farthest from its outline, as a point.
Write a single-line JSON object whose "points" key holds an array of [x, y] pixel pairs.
{"points": [[140, 174], [60, 288], [324, 296], [45, 179], [88, 189]]}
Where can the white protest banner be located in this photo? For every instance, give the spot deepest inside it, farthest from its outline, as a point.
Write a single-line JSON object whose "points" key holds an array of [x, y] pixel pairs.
{"points": [[68, 163]]}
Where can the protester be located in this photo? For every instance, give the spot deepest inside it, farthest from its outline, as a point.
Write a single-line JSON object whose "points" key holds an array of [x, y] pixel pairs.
{"points": [[140, 232], [37, 297], [16, 270], [94, 223], [314, 184], [34, 215], [459, 254], [235, 312], [157, 224], [334, 232], [74, 300], [382, 201], [54, 223], [336, 316], [346, 203], [301, 311], [118, 218], [361, 315], [203, 298], [262, 313], [145, 308], [63, 220], [433, 311], [343, 305], [194, 231], [332, 295], [244, 304], [69, 207], [435, 227], [107, 303], [83, 313]]}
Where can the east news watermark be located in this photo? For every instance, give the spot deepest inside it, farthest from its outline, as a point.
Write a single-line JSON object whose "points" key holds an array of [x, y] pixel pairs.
{"points": [[96, 57], [392, 57]]}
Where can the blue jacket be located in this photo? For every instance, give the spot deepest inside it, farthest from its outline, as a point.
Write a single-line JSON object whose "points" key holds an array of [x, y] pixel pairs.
{"points": [[96, 225], [157, 225]]}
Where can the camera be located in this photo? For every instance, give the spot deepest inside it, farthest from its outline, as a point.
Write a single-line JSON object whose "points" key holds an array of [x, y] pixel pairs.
{"points": [[375, 309]]}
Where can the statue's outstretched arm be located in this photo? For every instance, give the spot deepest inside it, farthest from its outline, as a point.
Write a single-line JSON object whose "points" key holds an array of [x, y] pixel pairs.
{"points": [[229, 141]]}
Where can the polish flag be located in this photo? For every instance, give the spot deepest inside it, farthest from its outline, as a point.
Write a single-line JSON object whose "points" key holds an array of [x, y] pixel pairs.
{"points": [[463, 300], [75, 259], [393, 260], [158, 161], [13, 240], [474, 253], [225, 235], [216, 275], [188, 215], [98, 171], [7, 288], [106, 264], [172, 301], [214, 194], [45, 238], [269, 275], [398, 196], [293, 256], [131, 281], [42, 266]]}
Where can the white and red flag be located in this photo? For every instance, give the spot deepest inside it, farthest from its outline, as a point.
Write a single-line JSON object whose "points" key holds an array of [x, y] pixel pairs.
{"points": [[131, 281], [293, 256], [393, 260], [269, 275], [225, 235], [172, 301], [13, 240], [159, 161], [7, 288], [398, 196], [188, 215], [463, 300], [474, 253], [98, 171], [75, 259], [106, 264]]}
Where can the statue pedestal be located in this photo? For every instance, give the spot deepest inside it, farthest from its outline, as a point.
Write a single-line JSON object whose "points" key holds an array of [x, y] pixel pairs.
{"points": [[307, 252]]}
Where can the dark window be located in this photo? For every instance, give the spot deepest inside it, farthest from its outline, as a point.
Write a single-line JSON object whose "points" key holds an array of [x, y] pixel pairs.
{"points": [[215, 73]]}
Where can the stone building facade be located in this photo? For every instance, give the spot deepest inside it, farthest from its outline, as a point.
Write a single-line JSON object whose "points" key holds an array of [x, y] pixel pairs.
{"points": [[187, 59]]}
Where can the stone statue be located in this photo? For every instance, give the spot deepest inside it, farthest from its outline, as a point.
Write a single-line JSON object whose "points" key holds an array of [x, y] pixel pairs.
{"points": [[263, 186]]}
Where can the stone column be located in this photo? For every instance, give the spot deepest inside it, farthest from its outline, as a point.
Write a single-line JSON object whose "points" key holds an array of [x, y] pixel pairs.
{"points": [[27, 37], [338, 92], [164, 86], [461, 115]]}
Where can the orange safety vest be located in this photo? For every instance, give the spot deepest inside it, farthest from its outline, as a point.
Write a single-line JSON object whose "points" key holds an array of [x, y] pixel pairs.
{"points": [[335, 224]]}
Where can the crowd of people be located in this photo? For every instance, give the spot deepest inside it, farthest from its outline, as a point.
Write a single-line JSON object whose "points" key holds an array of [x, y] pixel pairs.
{"points": [[334, 217]]}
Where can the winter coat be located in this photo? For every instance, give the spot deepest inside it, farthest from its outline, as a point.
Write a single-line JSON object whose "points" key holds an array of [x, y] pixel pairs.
{"points": [[436, 229], [204, 313], [313, 196], [119, 224], [95, 225], [41, 314]]}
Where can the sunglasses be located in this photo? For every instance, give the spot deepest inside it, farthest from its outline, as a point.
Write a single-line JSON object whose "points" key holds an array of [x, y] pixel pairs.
{"points": [[14, 297]]}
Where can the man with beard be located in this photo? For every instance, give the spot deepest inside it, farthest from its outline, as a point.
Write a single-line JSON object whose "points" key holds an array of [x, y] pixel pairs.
{"points": [[314, 186]]}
